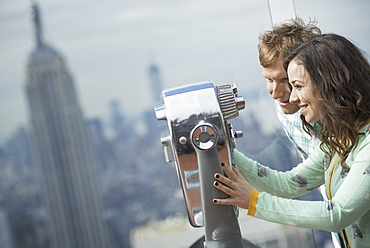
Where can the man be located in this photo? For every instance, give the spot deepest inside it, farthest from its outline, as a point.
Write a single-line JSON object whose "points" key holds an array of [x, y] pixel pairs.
{"points": [[273, 47]]}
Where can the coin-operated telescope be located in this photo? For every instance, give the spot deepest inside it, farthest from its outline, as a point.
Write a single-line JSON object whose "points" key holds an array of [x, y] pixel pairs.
{"points": [[200, 139]]}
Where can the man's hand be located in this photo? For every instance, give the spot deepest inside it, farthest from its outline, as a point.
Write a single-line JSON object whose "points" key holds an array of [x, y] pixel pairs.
{"points": [[233, 185]]}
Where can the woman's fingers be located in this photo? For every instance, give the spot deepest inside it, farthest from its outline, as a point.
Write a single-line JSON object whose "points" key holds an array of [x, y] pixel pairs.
{"points": [[224, 180], [223, 188], [233, 176], [229, 172], [237, 172], [226, 201], [234, 185]]}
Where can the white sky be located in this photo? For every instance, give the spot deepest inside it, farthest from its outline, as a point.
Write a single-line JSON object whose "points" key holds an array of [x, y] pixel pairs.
{"points": [[108, 45]]}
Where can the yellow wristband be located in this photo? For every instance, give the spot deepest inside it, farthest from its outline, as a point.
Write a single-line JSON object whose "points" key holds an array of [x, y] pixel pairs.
{"points": [[253, 202]]}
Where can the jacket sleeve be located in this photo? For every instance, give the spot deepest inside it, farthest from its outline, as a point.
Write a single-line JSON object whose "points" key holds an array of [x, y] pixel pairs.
{"points": [[296, 182], [350, 202]]}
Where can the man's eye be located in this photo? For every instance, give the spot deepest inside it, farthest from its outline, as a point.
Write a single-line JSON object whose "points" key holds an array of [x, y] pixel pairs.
{"points": [[297, 86], [269, 80]]}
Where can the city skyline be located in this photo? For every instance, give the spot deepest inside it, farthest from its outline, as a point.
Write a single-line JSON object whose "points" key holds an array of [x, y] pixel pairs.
{"points": [[136, 186], [189, 41]]}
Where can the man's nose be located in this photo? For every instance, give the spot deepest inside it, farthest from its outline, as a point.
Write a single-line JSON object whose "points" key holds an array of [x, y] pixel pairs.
{"points": [[278, 91]]}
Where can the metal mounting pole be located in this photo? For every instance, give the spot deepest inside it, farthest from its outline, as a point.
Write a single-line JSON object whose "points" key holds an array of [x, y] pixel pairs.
{"points": [[220, 221]]}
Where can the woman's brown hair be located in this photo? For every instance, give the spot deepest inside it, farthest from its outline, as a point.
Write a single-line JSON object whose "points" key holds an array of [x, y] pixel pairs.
{"points": [[340, 74]]}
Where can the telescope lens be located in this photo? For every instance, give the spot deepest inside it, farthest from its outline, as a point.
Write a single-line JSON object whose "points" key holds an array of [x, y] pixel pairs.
{"points": [[204, 137]]}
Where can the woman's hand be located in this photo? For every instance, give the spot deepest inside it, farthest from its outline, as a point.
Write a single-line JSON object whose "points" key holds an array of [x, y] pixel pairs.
{"points": [[233, 185]]}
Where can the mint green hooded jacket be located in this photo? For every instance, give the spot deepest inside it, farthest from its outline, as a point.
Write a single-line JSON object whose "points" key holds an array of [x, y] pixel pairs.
{"points": [[348, 191]]}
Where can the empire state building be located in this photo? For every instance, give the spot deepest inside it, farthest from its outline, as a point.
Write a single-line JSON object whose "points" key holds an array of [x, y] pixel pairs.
{"points": [[62, 149]]}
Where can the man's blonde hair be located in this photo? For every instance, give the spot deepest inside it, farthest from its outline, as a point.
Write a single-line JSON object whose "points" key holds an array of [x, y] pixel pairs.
{"points": [[283, 38]]}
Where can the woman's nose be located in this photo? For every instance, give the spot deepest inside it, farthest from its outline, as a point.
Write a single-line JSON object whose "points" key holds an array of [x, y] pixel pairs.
{"points": [[293, 97]]}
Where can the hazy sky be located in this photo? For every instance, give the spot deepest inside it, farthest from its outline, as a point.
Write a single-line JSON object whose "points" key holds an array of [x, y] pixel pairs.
{"points": [[108, 45]]}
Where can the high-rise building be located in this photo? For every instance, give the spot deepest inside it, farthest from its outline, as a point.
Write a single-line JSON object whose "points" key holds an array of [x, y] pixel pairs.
{"points": [[63, 152], [153, 126], [156, 83], [118, 121]]}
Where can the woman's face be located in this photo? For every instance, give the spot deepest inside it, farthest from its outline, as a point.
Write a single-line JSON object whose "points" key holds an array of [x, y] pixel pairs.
{"points": [[302, 92]]}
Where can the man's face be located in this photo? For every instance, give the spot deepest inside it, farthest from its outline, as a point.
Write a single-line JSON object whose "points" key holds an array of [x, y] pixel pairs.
{"points": [[278, 86]]}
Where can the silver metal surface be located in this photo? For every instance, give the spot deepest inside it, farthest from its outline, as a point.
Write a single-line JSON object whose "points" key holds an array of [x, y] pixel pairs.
{"points": [[200, 139]]}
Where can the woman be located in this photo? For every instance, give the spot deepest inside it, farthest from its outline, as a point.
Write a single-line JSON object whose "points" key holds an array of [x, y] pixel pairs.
{"points": [[330, 79]]}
